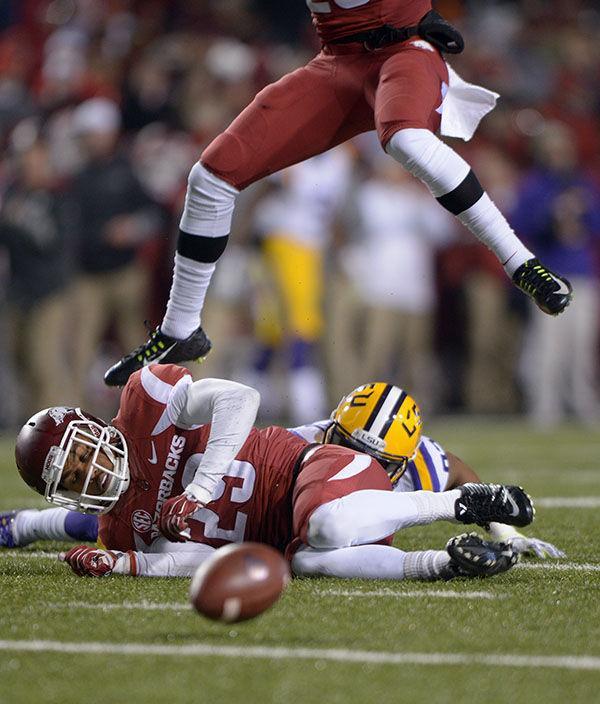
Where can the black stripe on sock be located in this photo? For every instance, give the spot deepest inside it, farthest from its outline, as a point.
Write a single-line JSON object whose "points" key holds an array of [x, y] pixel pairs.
{"points": [[199, 248], [378, 405], [463, 196], [388, 423]]}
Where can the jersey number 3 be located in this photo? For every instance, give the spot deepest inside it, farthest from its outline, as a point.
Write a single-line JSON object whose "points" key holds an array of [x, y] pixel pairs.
{"points": [[326, 6]]}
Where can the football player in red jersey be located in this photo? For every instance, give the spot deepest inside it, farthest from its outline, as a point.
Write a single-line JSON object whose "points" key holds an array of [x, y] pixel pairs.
{"points": [[182, 471], [380, 68]]}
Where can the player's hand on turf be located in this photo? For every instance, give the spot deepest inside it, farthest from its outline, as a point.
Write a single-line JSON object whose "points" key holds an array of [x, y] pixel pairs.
{"points": [[534, 547], [174, 515], [90, 562]]}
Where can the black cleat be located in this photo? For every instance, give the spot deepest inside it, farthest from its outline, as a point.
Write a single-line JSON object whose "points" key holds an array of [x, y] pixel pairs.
{"points": [[159, 348], [483, 503], [472, 556], [551, 293]]}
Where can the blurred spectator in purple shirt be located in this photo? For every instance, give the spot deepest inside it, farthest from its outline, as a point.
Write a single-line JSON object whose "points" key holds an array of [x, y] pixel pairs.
{"points": [[558, 213]]}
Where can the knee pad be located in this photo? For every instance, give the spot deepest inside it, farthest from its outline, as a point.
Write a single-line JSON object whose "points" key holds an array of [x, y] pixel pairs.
{"points": [[209, 204]]}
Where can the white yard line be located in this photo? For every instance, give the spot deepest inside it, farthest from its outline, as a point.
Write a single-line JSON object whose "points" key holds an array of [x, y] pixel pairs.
{"points": [[566, 662], [567, 502], [559, 566], [29, 554], [176, 606], [399, 594], [124, 606]]}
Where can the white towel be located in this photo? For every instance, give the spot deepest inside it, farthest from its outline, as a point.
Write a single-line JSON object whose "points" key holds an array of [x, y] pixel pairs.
{"points": [[464, 106]]}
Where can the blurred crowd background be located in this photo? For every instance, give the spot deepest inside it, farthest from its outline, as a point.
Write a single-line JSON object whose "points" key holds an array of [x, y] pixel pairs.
{"points": [[340, 271]]}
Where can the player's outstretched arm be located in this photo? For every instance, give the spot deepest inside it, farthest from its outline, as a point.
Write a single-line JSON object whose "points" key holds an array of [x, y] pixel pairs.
{"points": [[86, 561]]}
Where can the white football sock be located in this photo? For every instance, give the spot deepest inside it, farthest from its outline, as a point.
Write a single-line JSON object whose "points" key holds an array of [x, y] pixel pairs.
{"points": [[442, 170], [186, 299], [370, 562], [488, 224], [426, 564], [48, 524]]}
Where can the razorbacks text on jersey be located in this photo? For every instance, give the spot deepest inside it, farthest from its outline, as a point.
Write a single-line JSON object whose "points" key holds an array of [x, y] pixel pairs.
{"points": [[163, 459], [335, 19], [427, 470]]}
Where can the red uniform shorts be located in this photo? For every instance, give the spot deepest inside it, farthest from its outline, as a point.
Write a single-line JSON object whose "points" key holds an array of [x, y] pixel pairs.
{"points": [[342, 92], [330, 473]]}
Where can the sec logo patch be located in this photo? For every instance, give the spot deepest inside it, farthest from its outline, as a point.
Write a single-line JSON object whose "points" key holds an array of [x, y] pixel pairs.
{"points": [[141, 521]]}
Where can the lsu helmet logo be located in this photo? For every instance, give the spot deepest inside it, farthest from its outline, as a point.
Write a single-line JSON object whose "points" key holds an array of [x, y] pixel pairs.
{"points": [[383, 421]]}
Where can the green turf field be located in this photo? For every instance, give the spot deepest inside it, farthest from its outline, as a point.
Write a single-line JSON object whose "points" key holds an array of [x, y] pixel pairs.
{"points": [[530, 636]]}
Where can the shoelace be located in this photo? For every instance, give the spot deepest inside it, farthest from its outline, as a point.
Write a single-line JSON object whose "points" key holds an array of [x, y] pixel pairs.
{"points": [[537, 279]]}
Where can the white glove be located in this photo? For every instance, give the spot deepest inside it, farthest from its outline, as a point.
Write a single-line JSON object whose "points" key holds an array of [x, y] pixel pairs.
{"points": [[523, 545], [533, 546]]}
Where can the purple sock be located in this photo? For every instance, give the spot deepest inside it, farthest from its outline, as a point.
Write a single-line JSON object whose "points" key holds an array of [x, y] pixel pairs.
{"points": [[81, 526]]}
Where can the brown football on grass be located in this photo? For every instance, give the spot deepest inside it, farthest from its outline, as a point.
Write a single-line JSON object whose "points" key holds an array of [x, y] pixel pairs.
{"points": [[239, 582]]}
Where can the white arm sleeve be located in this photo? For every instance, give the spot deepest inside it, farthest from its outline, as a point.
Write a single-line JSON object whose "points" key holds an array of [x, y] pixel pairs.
{"points": [[172, 564], [231, 409], [165, 560]]}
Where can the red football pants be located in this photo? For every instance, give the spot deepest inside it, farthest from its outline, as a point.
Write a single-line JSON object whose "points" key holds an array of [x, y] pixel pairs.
{"points": [[342, 92], [330, 473]]}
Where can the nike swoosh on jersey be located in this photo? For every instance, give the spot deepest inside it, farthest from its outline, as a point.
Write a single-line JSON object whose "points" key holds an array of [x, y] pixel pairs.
{"points": [[356, 466], [154, 458]]}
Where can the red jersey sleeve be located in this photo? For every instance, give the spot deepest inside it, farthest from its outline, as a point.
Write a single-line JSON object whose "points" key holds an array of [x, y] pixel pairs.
{"points": [[143, 407], [335, 19]]}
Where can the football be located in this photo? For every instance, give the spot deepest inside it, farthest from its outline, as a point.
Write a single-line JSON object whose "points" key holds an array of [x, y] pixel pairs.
{"points": [[239, 582]]}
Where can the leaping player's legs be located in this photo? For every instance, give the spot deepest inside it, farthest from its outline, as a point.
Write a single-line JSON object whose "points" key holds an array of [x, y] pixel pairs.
{"points": [[407, 100], [305, 113]]}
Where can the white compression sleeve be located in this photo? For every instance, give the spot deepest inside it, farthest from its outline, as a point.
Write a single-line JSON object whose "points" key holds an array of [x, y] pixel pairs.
{"points": [[209, 204], [370, 515], [231, 409], [370, 562], [172, 564]]}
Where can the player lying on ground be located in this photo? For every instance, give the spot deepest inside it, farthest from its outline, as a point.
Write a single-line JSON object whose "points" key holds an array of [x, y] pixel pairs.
{"points": [[385, 422], [169, 488], [380, 67], [378, 419]]}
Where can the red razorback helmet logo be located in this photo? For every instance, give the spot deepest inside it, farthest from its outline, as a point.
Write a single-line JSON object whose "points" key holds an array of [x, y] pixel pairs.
{"points": [[43, 446]]}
